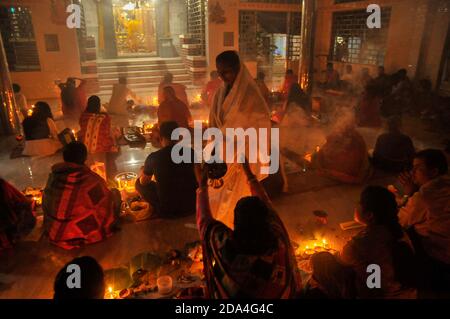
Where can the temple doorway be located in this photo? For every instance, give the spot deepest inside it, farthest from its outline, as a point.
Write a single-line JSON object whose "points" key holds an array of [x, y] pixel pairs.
{"points": [[135, 28]]}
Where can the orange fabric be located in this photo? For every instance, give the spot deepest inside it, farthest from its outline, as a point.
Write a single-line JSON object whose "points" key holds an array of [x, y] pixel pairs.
{"points": [[95, 132], [180, 92], [175, 111], [289, 80], [344, 157], [210, 90]]}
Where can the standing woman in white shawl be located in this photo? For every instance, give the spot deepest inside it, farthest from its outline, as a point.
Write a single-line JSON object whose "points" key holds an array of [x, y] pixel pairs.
{"points": [[237, 104]]}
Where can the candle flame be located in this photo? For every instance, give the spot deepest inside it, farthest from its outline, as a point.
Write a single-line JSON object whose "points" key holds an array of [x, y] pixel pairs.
{"points": [[110, 289]]}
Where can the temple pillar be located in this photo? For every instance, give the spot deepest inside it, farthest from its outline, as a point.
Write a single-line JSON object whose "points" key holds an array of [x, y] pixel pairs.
{"points": [[106, 19], [166, 48], [307, 45], [9, 117]]}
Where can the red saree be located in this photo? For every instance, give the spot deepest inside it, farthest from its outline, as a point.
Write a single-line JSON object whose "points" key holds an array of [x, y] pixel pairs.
{"points": [[78, 206], [95, 133]]}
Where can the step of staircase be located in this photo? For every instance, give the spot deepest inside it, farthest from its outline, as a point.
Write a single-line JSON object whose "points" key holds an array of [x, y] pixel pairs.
{"points": [[150, 85], [131, 79], [142, 74]]}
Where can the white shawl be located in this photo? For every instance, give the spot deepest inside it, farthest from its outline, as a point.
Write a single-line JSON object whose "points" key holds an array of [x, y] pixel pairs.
{"points": [[243, 107]]}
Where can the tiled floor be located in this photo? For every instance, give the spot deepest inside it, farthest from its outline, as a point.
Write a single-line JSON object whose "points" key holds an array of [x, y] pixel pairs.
{"points": [[28, 270]]}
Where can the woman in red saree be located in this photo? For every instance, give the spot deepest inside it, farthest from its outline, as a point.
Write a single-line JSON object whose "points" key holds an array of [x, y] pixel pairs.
{"points": [[96, 134], [344, 156], [16, 215], [73, 98], [256, 260]]}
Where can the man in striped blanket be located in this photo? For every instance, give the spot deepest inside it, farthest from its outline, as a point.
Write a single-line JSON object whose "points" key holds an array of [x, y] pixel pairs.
{"points": [[79, 208]]}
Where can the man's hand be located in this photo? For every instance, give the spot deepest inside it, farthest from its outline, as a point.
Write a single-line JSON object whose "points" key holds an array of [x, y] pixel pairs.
{"points": [[201, 174], [407, 182]]}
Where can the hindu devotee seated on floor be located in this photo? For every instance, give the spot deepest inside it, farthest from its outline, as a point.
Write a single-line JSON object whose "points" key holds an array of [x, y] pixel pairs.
{"points": [[394, 151], [172, 109], [211, 88], [92, 281], [79, 209], [41, 134], [427, 214], [96, 133], [332, 80], [297, 97], [172, 192], [118, 104], [344, 156], [16, 215], [402, 90], [382, 242], [368, 110], [256, 260], [237, 104], [180, 89], [383, 81], [73, 98], [289, 79]]}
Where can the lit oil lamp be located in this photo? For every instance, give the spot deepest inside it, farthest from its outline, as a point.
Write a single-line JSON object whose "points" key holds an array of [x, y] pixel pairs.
{"points": [[110, 294], [75, 135], [30, 111], [34, 194], [148, 128], [155, 101], [126, 182], [198, 98], [308, 251], [317, 247], [308, 157]]}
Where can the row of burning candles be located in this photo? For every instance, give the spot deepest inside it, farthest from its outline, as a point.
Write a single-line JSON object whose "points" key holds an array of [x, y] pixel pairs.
{"points": [[149, 101], [314, 248], [147, 128], [155, 101]]}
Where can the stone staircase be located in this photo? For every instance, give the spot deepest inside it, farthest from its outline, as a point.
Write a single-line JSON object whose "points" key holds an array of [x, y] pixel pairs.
{"points": [[143, 74]]}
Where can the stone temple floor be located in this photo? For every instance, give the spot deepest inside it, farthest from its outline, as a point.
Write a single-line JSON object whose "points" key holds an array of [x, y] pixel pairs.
{"points": [[29, 269]]}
